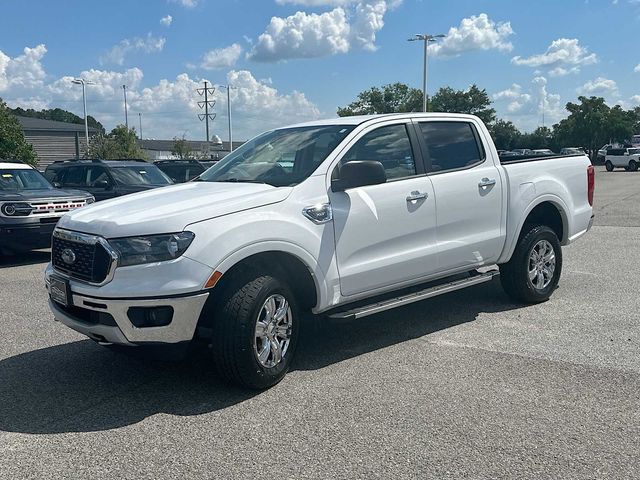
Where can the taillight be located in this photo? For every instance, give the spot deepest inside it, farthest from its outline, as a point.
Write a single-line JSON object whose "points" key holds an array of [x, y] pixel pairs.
{"points": [[591, 183]]}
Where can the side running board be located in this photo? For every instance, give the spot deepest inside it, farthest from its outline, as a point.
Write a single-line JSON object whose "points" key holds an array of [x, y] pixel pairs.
{"points": [[433, 291]]}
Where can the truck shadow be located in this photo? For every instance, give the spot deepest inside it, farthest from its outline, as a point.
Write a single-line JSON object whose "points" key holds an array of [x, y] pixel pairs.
{"points": [[81, 387]]}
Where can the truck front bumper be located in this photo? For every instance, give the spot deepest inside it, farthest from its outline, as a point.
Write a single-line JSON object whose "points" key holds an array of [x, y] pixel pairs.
{"points": [[109, 320], [26, 236]]}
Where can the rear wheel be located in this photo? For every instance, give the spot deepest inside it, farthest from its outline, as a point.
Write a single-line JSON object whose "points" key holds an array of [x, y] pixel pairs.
{"points": [[609, 166], [255, 331], [633, 166], [534, 270]]}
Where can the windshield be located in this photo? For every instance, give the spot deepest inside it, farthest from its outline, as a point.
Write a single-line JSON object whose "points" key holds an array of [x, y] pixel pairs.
{"points": [[22, 179], [280, 158], [140, 175]]}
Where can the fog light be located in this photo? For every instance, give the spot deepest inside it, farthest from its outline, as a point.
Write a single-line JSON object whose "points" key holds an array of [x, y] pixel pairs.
{"points": [[144, 317]]}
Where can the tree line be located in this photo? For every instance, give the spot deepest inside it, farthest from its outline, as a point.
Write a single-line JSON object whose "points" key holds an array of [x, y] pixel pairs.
{"points": [[590, 123]]}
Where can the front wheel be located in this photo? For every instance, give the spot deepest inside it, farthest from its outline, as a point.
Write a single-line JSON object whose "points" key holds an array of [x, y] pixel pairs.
{"points": [[534, 270], [609, 166], [255, 331], [633, 166]]}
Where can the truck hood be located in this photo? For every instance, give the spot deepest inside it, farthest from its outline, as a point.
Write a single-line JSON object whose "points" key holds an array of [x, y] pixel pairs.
{"points": [[169, 209], [30, 195]]}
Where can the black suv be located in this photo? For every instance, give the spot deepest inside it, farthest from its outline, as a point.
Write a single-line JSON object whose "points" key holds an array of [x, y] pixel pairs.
{"points": [[181, 171], [106, 178], [30, 207]]}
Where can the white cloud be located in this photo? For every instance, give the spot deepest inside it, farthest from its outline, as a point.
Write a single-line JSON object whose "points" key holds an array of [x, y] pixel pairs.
{"points": [[186, 3], [24, 71], [562, 57], [474, 33], [309, 35], [316, 3], [637, 69], [169, 107], [636, 99], [527, 107], [221, 57], [117, 53], [599, 86], [166, 20]]}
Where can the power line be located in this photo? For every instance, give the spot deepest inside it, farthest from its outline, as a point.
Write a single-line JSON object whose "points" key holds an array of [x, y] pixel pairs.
{"points": [[206, 91]]}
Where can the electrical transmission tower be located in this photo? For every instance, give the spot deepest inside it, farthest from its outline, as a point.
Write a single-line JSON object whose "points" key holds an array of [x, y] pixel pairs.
{"points": [[206, 104]]}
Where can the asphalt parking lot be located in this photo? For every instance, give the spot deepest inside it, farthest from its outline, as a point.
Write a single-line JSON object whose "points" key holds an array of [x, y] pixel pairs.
{"points": [[467, 385]]}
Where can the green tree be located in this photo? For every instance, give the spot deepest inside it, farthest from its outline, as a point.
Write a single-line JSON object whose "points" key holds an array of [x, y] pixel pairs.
{"points": [[181, 148], [13, 145], [392, 98], [586, 126], [472, 101], [121, 143], [505, 134]]}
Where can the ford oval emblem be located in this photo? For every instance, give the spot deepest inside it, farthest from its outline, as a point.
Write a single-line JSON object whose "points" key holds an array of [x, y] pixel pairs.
{"points": [[68, 256]]}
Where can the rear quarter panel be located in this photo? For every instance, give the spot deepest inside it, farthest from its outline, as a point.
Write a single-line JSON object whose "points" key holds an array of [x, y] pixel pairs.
{"points": [[560, 181]]}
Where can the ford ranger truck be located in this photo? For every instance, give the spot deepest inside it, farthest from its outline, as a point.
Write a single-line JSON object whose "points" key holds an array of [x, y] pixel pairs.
{"points": [[343, 218], [30, 207]]}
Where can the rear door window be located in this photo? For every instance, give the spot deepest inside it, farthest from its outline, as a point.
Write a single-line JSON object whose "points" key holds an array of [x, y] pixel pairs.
{"points": [[451, 145]]}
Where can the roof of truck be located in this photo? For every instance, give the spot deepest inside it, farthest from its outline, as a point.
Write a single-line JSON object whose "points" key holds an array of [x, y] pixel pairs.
{"points": [[359, 119]]}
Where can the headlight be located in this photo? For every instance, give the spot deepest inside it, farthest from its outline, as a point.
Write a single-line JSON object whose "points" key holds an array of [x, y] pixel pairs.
{"points": [[89, 200], [16, 209], [154, 248]]}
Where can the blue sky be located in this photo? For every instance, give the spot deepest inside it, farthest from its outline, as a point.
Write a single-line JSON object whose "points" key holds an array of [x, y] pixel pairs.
{"points": [[294, 60]]}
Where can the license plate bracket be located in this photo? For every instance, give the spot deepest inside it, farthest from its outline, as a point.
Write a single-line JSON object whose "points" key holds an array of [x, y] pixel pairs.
{"points": [[59, 291]]}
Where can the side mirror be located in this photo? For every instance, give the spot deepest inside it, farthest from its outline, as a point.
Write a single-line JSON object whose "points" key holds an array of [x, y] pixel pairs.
{"points": [[626, 153], [359, 173], [104, 184]]}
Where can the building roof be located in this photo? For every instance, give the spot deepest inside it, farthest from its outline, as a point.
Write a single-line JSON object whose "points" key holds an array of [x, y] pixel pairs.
{"points": [[39, 124], [194, 145]]}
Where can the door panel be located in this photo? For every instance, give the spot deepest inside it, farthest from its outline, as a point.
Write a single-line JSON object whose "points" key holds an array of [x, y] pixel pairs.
{"points": [[381, 237], [468, 192], [385, 234]]}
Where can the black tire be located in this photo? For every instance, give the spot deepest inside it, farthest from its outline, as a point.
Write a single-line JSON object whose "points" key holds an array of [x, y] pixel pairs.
{"points": [[514, 275], [609, 166], [633, 166], [233, 339]]}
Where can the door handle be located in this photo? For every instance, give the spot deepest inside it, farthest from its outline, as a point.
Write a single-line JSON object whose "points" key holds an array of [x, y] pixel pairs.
{"points": [[416, 195], [487, 182]]}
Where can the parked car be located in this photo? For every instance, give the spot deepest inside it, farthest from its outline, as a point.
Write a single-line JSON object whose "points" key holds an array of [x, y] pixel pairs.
{"points": [[573, 151], [627, 158], [602, 153], [180, 171], [543, 151], [377, 212], [635, 141], [106, 179], [522, 151], [30, 207]]}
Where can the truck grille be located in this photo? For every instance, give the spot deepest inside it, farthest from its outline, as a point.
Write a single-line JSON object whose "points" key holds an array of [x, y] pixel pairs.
{"points": [[80, 256]]}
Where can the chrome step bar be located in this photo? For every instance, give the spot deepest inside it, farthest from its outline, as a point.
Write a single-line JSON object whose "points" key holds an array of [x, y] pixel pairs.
{"points": [[430, 292]]}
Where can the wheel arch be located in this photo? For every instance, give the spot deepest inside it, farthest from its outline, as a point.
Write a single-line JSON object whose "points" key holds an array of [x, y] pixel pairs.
{"points": [[548, 210], [291, 262]]}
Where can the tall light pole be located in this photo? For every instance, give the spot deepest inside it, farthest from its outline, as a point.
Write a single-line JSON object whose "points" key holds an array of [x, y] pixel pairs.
{"points": [[83, 82], [140, 120], [426, 38], [229, 87], [126, 117]]}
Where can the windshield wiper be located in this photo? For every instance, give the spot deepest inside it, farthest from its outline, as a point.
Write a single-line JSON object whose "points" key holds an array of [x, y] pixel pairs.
{"points": [[239, 180]]}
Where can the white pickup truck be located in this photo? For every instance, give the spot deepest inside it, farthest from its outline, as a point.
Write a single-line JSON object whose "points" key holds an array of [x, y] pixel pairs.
{"points": [[343, 218], [627, 158]]}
